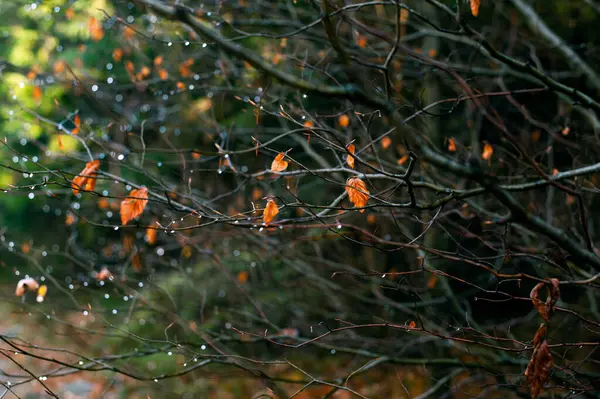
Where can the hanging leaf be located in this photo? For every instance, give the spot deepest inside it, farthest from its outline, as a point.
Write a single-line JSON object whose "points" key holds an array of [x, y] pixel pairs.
{"points": [[539, 366], [37, 95], [270, 211], [386, 142], [279, 164], [117, 55], [87, 178], [545, 309], [451, 144], [96, 29], [134, 206], [41, 293], [488, 151], [357, 192], [350, 158], [151, 235], [26, 284], [475, 7], [344, 120], [77, 122], [242, 277]]}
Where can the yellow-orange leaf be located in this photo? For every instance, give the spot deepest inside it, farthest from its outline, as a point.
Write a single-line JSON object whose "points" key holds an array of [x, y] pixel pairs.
{"points": [[158, 60], [386, 142], [566, 131], [488, 151], [87, 178], [357, 192], [402, 161], [270, 211], [41, 293], [308, 124], [70, 219], [475, 7], [451, 144], [412, 324], [134, 206], [279, 164], [344, 120], [350, 158]]}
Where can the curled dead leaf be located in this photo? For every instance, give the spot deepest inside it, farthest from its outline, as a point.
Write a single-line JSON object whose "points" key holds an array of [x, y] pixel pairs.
{"points": [[546, 308], [357, 192], [279, 164], [133, 206], [87, 178]]}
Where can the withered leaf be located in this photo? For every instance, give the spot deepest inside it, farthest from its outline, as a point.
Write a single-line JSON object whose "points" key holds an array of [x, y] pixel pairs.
{"points": [[87, 178], [279, 164], [270, 211], [133, 206], [357, 192]]}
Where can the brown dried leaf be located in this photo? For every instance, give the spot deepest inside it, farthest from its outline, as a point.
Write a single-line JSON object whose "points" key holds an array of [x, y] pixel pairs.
{"points": [[270, 211], [357, 192], [87, 178], [546, 308], [134, 206], [279, 164], [538, 369]]}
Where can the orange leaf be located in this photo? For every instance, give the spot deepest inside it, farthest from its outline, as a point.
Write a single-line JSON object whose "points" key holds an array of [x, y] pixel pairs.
{"points": [[77, 122], [163, 74], [350, 158], [344, 120], [70, 220], [128, 32], [432, 281], [25, 285], [362, 42], [158, 60], [134, 206], [536, 135], [270, 211], [566, 131], [279, 164], [386, 142], [357, 192], [37, 94], [402, 160], [69, 13], [242, 277], [117, 55], [488, 151], [151, 235], [308, 124], [451, 144], [86, 179], [129, 67], [96, 29], [475, 7], [412, 324]]}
